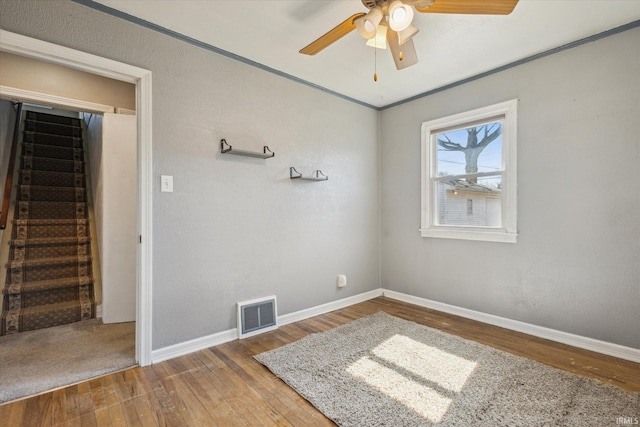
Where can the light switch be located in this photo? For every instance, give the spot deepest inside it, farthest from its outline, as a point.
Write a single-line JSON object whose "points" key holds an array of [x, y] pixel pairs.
{"points": [[166, 183]]}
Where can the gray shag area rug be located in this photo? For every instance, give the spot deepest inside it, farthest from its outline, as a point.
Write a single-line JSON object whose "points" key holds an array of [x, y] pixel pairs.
{"points": [[385, 371], [36, 361]]}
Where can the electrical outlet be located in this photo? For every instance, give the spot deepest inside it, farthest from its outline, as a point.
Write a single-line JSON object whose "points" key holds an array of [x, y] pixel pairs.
{"points": [[342, 281], [166, 183]]}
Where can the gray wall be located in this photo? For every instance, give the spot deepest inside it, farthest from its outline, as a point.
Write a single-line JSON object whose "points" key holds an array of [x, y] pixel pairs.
{"points": [[576, 266], [237, 228]]}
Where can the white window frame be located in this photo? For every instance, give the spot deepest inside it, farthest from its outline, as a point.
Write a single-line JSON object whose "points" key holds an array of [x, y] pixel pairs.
{"points": [[507, 111]]}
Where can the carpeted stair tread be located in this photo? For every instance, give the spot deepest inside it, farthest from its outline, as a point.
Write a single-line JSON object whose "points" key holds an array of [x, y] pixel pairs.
{"points": [[48, 285], [52, 128], [52, 151], [48, 203], [55, 314], [53, 165], [51, 221], [52, 179], [41, 262], [48, 139], [45, 241], [51, 307], [41, 193], [49, 247], [25, 271], [49, 228], [34, 270], [53, 118], [51, 210]]}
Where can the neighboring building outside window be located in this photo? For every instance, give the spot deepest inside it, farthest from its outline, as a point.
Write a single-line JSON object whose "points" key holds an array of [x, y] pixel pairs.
{"points": [[469, 175]]}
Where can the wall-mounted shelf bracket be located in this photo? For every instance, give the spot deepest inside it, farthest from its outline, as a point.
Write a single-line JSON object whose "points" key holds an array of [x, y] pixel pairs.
{"points": [[316, 176], [228, 149]]}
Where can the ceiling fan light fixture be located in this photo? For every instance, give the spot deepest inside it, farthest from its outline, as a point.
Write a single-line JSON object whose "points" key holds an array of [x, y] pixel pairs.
{"points": [[368, 24], [400, 15], [406, 34], [365, 29], [380, 39]]}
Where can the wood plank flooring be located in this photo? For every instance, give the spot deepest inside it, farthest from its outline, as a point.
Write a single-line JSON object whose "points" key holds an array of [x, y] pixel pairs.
{"points": [[225, 386]]}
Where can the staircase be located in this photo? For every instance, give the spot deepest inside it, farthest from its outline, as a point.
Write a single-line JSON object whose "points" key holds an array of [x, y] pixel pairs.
{"points": [[49, 278]]}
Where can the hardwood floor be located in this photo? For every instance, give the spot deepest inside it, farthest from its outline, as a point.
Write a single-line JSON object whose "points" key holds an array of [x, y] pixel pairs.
{"points": [[225, 386]]}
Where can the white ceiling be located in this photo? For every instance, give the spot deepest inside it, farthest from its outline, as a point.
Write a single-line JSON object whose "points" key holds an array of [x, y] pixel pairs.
{"points": [[449, 47]]}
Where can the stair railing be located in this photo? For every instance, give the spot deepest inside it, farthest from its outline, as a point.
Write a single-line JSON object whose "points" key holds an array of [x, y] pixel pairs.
{"points": [[12, 160]]}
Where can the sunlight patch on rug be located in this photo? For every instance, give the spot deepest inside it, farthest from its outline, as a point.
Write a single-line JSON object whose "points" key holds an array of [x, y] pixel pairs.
{"points": [[441, 367], [425, 401]]}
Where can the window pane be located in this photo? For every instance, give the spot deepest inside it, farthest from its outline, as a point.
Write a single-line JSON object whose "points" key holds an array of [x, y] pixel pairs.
{"points": [[473, 202], [470, 150], [468, 175]]}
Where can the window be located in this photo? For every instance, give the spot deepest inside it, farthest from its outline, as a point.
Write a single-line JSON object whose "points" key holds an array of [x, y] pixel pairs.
{"points": [[469, 175]]}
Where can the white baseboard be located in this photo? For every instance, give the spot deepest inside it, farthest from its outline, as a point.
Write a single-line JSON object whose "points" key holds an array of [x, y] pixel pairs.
{"points": [[586, 343], [194, 345], [330, 306], [198, 344]]}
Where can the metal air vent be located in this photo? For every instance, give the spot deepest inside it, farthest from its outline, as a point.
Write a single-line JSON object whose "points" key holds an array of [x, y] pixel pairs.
{"points": [[256, 316]]}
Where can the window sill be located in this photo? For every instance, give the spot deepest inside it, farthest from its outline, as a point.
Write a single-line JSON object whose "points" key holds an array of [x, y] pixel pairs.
{"points": [[500, 236]]}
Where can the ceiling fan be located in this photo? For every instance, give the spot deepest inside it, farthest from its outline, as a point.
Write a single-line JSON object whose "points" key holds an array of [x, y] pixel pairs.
{"points": [[388, 22]]}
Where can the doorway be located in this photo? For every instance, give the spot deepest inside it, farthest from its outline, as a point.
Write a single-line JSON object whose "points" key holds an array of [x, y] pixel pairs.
{"points": [[37, 49]]}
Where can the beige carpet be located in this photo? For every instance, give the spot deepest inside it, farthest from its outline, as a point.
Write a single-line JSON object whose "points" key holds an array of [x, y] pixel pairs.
{"points": [[384, 371], [36, 361]]}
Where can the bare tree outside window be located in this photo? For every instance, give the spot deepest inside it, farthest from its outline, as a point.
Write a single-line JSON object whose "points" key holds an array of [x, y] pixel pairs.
{"points": [[478, 138]]}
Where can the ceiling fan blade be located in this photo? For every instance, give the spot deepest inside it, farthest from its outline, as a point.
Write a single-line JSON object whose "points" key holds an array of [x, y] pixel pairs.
{"points": [[332, 36], [472, 7]]}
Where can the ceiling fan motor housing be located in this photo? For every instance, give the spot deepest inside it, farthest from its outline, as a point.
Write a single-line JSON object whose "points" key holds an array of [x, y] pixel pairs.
{"points": [[370, 3]]}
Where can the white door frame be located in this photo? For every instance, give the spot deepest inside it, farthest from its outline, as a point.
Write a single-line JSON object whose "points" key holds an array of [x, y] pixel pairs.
{"points": [[71, 58]]}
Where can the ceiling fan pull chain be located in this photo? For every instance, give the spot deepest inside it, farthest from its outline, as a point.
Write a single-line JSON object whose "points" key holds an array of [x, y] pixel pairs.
{"points": [[375, 64]]}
